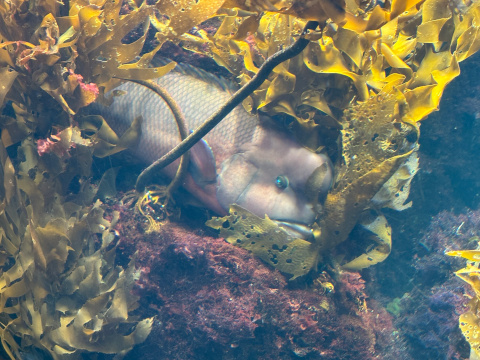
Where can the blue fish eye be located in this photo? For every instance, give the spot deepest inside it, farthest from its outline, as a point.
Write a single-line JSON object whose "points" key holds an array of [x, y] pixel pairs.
{"points": [[281, 182]]}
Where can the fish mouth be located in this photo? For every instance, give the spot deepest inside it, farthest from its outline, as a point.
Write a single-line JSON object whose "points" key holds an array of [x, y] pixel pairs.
{"points": [[296, 229]]}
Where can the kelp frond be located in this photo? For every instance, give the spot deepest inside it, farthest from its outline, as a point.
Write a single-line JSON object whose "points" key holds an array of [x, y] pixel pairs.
{"points": [[371, 77], [470, 321], [60, 289]]}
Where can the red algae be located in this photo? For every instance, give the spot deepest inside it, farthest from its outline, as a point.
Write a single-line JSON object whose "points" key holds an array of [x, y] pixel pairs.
{"points": [[214, 300]]}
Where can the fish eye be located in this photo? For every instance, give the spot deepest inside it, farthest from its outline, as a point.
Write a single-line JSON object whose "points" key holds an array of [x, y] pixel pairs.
{"points": [[282, 182]]}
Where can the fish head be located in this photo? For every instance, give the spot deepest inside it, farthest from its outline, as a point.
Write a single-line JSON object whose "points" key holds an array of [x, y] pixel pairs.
{"points": [[277, 177]]}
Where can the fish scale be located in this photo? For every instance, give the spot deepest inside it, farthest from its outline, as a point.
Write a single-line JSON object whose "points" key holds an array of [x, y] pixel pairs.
{"points": [[244, 160], [199, 96]]}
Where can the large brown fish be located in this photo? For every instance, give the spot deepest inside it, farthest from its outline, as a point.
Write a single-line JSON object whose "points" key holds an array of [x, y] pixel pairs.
{"points": [[244, 160]]}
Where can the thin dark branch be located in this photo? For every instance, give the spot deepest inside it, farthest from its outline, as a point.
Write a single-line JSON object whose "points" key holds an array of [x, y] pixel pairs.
{"points": [[182, 128], [289, 52]]}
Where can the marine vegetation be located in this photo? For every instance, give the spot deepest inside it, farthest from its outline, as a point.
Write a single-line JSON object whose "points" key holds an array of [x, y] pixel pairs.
{"points": [[470, 320], [61, 291], [370, 80], [368, 75]]}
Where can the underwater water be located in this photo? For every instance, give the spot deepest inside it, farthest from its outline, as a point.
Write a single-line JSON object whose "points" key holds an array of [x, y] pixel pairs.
{"points": [[333, 213]]}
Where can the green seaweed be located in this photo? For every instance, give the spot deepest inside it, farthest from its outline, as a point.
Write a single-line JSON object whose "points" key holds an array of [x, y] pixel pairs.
{"points": [[394, 307]]}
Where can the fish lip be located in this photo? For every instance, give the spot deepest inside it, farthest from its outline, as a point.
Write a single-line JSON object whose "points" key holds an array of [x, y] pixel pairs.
{"points": [[296, 229]]}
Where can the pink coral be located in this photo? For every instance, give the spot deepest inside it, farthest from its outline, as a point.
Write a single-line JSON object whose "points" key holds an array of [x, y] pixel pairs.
{"points": [[53, 144], [90, 87], [61, 143]]}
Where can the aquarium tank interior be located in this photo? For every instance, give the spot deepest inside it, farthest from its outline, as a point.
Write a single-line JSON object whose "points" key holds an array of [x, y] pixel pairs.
{"points": [[239, 179]]}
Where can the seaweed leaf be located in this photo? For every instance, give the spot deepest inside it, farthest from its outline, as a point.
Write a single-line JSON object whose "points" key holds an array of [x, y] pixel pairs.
{"points": [[265, 239]]}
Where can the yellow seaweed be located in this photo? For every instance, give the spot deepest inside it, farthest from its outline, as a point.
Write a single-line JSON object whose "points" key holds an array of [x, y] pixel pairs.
{"points": [[268, 241], [395, 191], [382, 236], [469, 321]]}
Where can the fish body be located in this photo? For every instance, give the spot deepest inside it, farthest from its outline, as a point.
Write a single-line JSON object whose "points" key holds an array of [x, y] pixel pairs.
{"points": [[243, 160]]}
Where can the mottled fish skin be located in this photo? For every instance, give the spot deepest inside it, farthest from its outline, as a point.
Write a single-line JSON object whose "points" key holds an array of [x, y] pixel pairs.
{"points": [[248, 156]]}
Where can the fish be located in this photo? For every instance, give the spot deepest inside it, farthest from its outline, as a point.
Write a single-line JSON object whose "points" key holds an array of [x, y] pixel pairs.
{"points": [[245, 160]]}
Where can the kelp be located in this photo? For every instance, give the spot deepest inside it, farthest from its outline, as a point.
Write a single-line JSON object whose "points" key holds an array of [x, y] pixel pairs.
{"points": [[380, 233], [373, 50], [395, 191], [470, 321], [56, 53], [373, 77], [268, 241], [368, 76], [105, 141], [375, 144], [60, 290]]}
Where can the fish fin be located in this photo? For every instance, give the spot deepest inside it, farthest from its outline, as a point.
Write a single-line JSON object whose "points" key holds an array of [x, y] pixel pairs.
{"points": [[202, 165]]}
